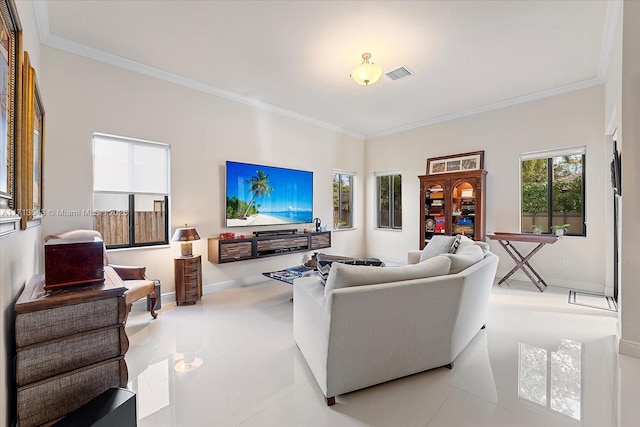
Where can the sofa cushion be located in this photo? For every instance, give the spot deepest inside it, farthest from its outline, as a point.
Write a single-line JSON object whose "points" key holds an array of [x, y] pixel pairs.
{"points": [[438, 245], [484, 246], [324, 262], [465, 258], [465, 241], [344, 275]]}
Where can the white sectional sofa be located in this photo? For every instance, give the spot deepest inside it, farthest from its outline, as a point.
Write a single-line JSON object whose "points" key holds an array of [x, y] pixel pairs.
{"points": [[354, 335]]}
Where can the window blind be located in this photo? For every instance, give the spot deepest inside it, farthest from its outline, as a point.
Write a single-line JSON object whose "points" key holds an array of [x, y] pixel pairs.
{"points": [[130, 165]]}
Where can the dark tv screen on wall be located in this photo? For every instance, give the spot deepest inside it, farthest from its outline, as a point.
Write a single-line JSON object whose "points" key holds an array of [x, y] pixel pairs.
{"points": [[266, 195]]}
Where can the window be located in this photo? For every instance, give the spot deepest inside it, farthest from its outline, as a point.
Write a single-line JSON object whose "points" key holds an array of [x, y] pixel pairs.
{"points": [[389, 195], [342, 200], [553, 189], [130, 191]]}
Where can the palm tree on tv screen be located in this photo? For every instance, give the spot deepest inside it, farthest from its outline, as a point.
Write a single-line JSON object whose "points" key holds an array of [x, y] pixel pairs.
{"points": [[260, 187]]}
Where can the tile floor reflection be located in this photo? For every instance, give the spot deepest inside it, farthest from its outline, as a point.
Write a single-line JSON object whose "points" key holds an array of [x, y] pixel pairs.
{"points": [[552, 378], [231, 361]]}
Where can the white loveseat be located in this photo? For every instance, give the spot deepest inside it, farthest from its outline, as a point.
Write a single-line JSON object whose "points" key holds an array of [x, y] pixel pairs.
{"points": [[358, 336]]}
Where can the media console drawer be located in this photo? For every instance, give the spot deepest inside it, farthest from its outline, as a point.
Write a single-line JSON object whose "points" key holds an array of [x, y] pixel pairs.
{"points": [[221, 251], [320, 240], [274, 245], [234, 251]]}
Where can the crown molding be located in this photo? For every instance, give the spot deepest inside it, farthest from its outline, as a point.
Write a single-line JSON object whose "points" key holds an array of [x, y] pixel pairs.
{"points": [[614, 8], [489, 107], [41, 14], [612, 17], [48, 39]]}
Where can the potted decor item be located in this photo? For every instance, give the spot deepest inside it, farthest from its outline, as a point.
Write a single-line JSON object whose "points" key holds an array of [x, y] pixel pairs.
{"points": [[537, 229], [560, 230]]}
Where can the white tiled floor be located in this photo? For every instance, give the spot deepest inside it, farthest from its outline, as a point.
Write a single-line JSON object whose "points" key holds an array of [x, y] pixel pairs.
{"points": [[540, 362]]}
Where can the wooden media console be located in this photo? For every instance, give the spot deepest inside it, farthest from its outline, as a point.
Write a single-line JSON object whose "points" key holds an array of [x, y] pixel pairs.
{"points": [[231, 250]]}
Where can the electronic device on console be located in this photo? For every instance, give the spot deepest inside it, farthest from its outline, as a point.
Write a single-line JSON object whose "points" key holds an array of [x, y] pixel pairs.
{"points": [[275, 232]]}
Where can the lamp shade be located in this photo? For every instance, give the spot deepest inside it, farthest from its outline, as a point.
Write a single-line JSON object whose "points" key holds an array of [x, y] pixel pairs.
{"points": [[366, 73], [185, 234]]}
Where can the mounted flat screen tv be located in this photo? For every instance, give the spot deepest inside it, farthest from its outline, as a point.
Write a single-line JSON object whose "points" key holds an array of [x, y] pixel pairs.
{"points": [[267, 195]]}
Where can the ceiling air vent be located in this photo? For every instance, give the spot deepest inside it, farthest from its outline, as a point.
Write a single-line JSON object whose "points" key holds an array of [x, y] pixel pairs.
{"points": [[399, 73]]}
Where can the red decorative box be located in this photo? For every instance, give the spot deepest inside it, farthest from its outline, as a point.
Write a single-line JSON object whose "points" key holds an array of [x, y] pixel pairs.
{"points": [[72, 262]]}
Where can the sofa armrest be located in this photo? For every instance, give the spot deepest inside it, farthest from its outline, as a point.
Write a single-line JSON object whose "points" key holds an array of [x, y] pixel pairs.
{"points": [[311, 325], [127, 272], [413, 256]]}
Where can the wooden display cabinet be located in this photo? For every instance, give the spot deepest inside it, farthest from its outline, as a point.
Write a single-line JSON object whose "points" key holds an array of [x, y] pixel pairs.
{"points": [[188, 279], [451, 204]]}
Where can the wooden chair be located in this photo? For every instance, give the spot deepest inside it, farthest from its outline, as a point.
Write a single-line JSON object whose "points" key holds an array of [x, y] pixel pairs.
{"points": [[133, 277]]}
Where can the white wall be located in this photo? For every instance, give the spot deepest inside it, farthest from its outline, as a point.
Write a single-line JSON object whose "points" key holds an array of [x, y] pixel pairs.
{"points": [[83, 96], [20, 255], [612, 110], [630, 135], [568, 120]]}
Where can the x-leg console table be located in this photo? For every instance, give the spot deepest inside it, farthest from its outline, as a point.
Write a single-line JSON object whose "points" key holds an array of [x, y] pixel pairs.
{"points": [[522, 262]]}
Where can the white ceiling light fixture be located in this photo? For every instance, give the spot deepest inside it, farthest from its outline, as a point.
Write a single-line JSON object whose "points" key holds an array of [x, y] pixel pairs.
{"points": [[366, 73]]}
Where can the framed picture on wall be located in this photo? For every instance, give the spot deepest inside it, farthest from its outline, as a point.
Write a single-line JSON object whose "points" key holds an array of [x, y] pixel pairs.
{"points": [[33, 148], [455, 163], [10, 33]]}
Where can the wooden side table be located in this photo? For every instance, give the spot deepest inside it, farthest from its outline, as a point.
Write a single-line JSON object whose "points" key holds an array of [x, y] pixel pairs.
{"points": [[188, 279], [522, 261]]}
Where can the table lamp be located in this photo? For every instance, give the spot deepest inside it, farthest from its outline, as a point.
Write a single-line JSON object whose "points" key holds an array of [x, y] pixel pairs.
{"points": [[185, 235]]}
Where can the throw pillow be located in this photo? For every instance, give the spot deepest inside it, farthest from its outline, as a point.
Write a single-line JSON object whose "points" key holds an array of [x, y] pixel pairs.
{"points": [[484, 246], [465, 241], [455, 244], [345, 275], [324, 262], [470, 255], [437, 245]]}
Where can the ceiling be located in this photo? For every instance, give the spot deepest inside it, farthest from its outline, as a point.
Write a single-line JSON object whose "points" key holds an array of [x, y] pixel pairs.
{"points": [[295, 57]]}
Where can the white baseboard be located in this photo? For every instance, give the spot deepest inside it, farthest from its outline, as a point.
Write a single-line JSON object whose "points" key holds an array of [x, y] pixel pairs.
{"points": [[629, 348], [221, 286], [212, 288], [608, 291], [579, 285]]}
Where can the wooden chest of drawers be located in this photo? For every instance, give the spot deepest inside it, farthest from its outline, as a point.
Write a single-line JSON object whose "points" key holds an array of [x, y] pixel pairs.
{"points": [[188, 279], [70, 347]]}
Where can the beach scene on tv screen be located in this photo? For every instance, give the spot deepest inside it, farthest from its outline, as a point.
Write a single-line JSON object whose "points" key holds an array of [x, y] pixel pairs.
{"points": [[266, 195]]}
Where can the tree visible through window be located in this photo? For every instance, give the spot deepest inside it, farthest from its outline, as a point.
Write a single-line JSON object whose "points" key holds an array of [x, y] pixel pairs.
{"points": [[389, 191], [553, 189], [342, 200]]}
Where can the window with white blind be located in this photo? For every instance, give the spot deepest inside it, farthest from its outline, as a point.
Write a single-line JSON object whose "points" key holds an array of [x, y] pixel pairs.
{"points": [[130, 191]]}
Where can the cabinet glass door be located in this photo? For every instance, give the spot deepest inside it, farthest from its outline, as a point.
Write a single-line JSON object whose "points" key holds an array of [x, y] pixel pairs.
{"points": [[463, 209], [434, 211]]}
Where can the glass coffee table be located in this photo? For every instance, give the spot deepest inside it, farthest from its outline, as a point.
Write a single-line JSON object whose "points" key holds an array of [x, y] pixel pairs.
{"points": [[288, 275]]}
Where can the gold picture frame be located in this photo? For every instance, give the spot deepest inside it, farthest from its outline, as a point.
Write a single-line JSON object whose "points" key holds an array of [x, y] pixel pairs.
{"points": [[10, 77], [32, 152], [456, 163]]}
